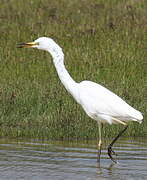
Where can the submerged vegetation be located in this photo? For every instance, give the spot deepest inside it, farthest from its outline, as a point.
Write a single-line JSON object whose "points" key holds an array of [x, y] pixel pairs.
{"points": [[103, 41]]}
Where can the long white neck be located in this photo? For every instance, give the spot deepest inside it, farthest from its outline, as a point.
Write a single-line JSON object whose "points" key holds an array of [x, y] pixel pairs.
{"points": [[66, 79]]}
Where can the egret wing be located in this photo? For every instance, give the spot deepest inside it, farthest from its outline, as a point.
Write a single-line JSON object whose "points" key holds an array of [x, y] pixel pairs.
{"points": [[97, 100]]}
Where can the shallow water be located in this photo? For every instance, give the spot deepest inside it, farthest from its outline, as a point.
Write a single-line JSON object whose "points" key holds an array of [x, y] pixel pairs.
{"points": [[48, 160]]}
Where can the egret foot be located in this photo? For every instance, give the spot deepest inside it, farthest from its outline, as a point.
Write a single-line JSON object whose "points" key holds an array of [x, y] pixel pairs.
{"points": [[110, 152]]}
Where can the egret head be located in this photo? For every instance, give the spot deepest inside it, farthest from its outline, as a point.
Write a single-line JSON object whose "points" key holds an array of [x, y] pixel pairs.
{"points": [[43, 43]]}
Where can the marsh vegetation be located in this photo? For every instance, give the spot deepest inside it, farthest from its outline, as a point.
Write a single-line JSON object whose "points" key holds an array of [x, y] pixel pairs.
{"points": [[103, 41]]}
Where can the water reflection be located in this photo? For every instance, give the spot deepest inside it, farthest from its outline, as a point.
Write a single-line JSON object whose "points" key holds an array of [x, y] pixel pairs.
{"points": [[71, 160]]}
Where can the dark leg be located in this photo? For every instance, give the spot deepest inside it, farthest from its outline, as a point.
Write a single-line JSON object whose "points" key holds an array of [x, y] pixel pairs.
{"points": [[110, 151]]}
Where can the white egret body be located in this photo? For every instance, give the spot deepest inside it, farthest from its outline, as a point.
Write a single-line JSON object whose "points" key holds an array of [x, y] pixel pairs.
{"points": [[98, 102]]}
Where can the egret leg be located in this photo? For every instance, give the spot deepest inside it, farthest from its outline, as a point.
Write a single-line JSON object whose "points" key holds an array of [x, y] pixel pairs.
{"points": [[99, 143], [110, 151]]}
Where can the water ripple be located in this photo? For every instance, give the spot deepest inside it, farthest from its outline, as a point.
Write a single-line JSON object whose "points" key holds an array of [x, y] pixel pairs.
{"points": [[71, 160]]}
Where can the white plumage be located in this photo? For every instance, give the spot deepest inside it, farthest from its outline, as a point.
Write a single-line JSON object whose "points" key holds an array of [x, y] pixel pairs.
{"points": [[105, 106], [98, 102]]}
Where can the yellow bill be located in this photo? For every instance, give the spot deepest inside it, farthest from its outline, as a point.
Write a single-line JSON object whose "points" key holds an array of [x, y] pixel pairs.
{"points": [[27, 45]]}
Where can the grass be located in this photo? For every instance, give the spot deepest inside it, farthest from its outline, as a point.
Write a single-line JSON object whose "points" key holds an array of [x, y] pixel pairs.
{"points": [[103, 41]]}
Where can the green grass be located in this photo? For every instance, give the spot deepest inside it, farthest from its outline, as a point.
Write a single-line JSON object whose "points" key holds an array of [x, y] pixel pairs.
{"points": [[103, 41]]}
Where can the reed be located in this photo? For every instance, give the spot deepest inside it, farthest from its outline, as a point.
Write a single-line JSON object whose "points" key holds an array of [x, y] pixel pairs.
{"points": [[103, 41]]}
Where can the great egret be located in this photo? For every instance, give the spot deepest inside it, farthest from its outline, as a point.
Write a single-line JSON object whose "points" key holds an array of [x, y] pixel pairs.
{"points": [[98, 102]]}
